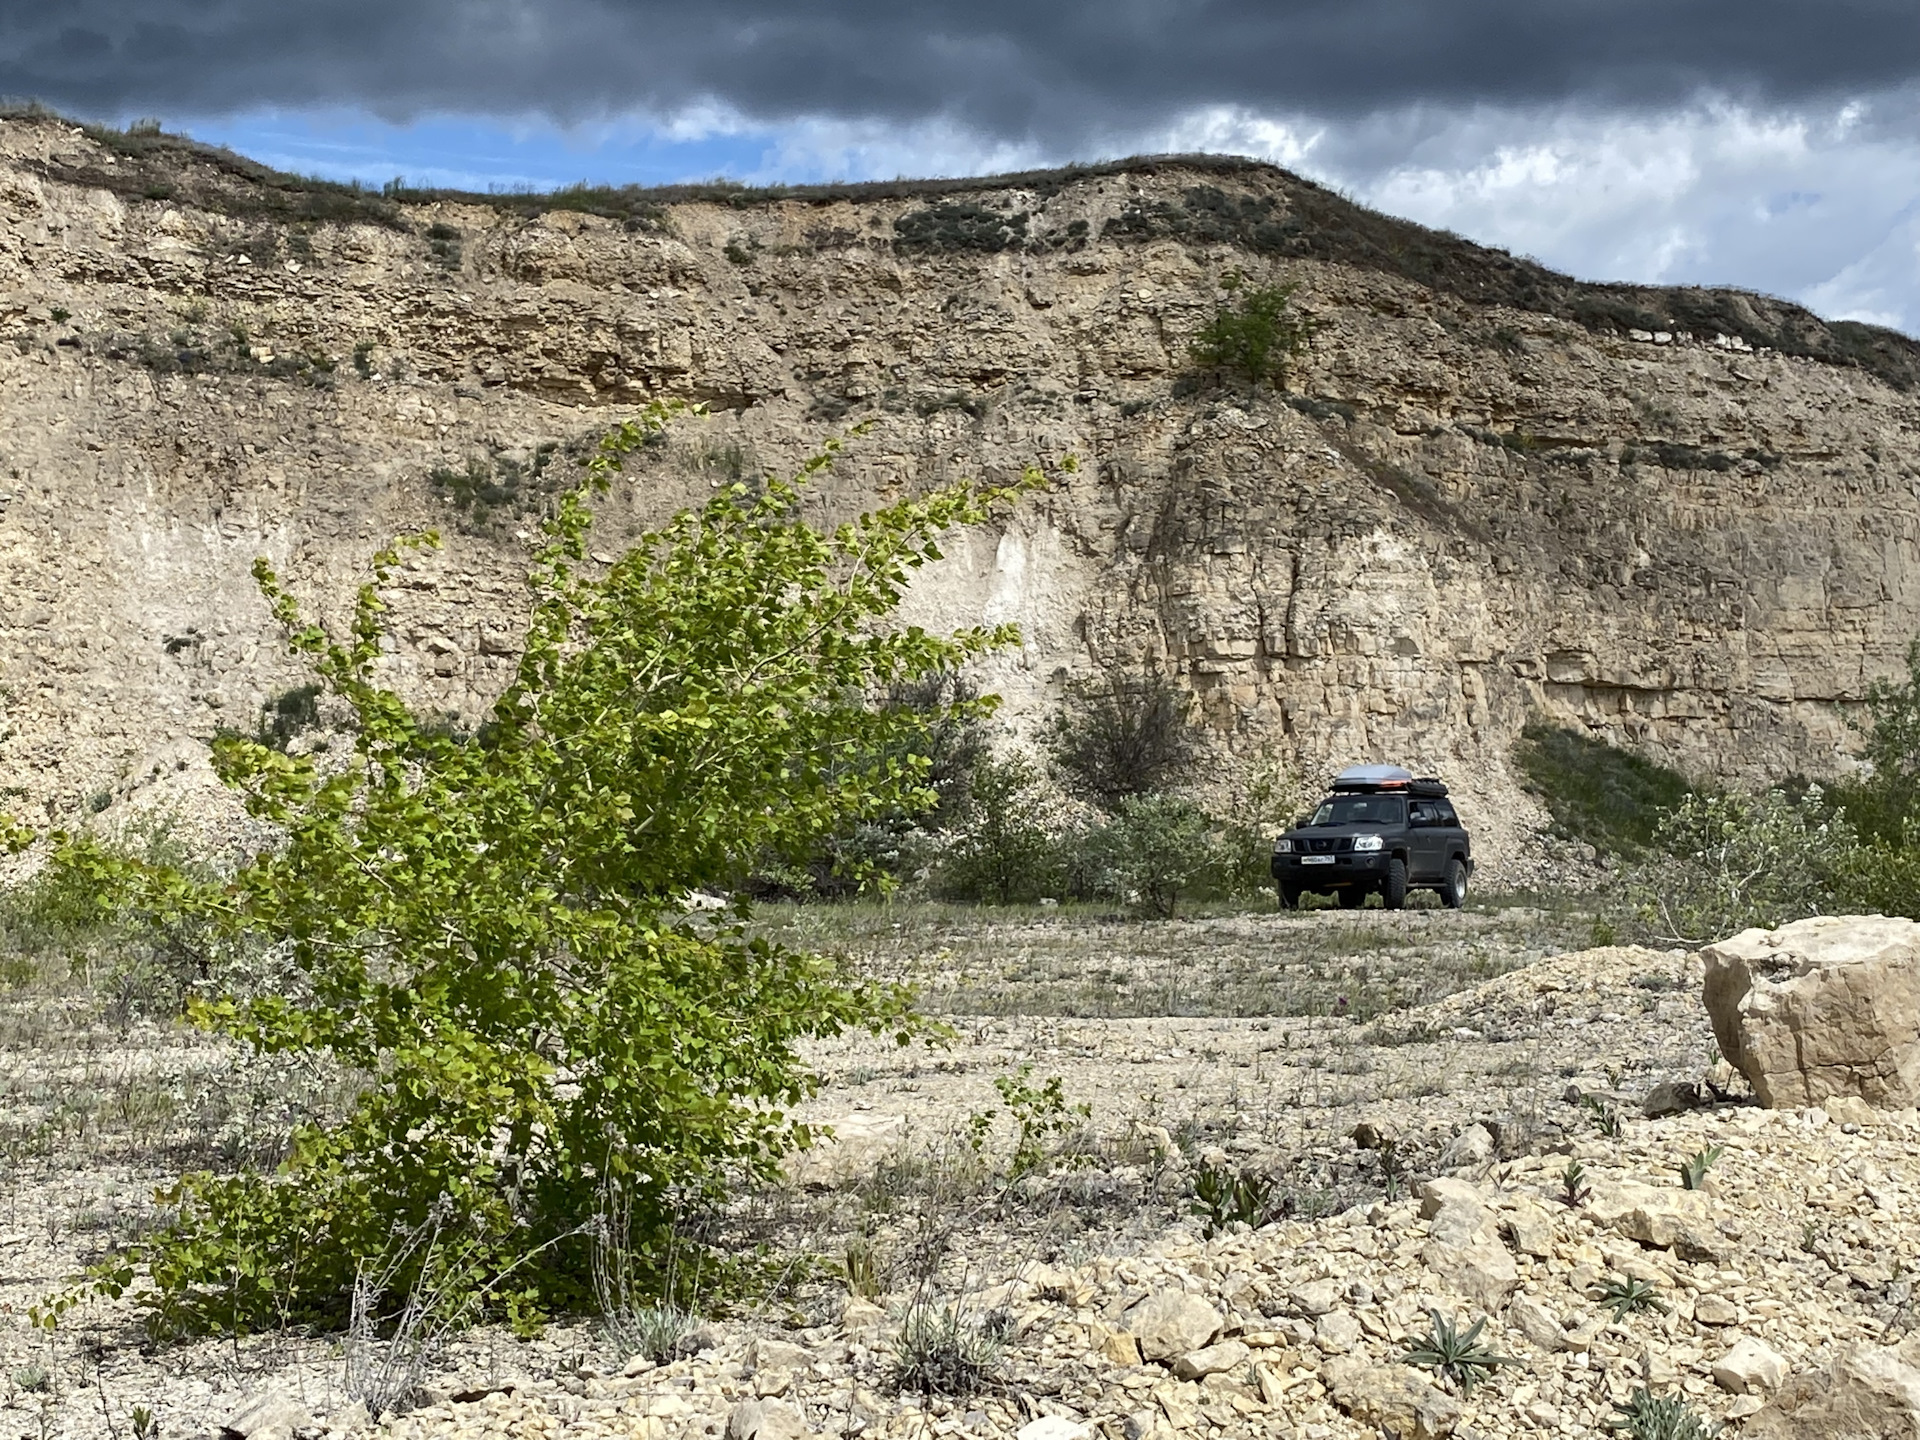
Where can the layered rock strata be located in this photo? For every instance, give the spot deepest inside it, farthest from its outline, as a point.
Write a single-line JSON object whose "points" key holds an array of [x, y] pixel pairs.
{"points": [[1461, 512]]}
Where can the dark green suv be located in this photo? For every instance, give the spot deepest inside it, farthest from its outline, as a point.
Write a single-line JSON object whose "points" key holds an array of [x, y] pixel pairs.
{"points": [[1380, 831]]}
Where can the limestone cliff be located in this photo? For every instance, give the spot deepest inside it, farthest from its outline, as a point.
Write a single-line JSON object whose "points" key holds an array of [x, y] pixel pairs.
{"points": [[1685, 520]]}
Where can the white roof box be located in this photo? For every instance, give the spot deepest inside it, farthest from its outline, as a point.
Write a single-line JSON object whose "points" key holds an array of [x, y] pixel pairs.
{"points": [[1358, 776]]}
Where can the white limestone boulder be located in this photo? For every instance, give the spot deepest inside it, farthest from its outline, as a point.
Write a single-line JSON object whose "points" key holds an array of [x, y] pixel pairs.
{"points": [[1828, 1006]]}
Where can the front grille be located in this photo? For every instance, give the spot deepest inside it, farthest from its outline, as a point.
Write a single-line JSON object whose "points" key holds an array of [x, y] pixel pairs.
{"points": [[1326, 844]]}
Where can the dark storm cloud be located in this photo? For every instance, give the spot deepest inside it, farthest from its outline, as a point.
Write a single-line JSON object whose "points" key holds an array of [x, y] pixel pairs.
{"points": [[1052, 70]]}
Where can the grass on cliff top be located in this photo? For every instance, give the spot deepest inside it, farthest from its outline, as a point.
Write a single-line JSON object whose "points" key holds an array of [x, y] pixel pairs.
{"points": [[1306, 221], [1596, 792]]}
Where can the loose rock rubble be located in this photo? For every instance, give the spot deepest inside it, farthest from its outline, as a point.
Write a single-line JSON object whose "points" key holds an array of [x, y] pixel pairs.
{"points": [[1778, 1287], [1777, 1290]]}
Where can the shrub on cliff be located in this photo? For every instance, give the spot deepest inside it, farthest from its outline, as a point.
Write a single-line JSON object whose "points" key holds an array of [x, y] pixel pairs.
{"points": [[1255, 334], [1611, 798], [492, 930], [1884, 800]]}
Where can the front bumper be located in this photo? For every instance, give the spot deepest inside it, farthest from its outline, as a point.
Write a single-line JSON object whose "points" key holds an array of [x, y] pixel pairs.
{"points": [[1311, 871]]}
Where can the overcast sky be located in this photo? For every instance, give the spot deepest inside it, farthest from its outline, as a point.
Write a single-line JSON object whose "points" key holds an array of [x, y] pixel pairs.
{"points": [[1773, 144]]}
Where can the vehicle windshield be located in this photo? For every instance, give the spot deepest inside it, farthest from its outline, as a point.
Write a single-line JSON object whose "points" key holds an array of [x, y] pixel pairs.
{"points": [[1361, 810]]}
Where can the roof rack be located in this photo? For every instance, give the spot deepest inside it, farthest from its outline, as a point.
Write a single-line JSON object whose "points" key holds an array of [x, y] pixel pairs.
{"points": [[1373, 779]]}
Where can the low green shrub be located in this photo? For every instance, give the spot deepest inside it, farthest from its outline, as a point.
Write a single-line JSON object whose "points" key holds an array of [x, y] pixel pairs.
{"points": [[1003, 847], [1156, 850], [1724, 863], [1224, 1197], [941, 1351], [1455, 1354]]}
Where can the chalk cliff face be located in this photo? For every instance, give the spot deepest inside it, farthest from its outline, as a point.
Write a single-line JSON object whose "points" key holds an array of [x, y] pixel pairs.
{"points": [[1486, 493]]}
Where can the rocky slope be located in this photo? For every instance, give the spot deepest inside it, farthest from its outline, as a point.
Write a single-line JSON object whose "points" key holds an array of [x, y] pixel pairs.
{"points": [[1685, 520]]}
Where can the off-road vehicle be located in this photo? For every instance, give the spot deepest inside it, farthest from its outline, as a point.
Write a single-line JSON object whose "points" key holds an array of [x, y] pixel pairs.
{"points": [[1380, 831]]}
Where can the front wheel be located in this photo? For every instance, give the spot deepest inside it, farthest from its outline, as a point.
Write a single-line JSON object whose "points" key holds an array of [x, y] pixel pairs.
{"points": [[1395, 893], [1453, 893]]}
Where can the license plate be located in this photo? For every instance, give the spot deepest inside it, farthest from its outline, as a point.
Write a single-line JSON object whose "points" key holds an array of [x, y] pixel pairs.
{"points": [[1316, 859]]}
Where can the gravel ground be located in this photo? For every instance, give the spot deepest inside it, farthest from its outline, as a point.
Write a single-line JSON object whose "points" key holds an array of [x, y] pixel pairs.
{"points": [[1288, 1032]]}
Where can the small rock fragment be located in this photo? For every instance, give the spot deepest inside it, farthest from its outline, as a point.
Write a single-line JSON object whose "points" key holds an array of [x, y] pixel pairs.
{"points": [[1395, 1399], [1531, 1228], [1666, 1217], [1849, 1110], [1869, 1390], [1171, 1322], [1315, 1298], [1228, 1355], [1470, 1149], [1121, 1348], [1712, 1310], [1052, 1427], [267, 1415], [1537, 1323], [1749, 1367], [1336, 1333]]}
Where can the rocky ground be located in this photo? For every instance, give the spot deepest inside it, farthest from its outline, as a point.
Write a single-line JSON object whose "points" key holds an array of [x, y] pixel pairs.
{"points": [[1415, 1142]]}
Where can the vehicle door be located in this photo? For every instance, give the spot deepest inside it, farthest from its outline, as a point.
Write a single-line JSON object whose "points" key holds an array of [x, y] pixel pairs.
{"points": [[1426, 841], [1453, 834]]}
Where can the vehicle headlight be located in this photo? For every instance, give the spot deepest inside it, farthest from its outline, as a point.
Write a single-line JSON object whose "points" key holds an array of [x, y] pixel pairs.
{"points": [[1366, 842], [1283, 846]]}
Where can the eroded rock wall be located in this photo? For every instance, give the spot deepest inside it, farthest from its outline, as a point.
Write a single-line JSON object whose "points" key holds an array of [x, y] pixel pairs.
{"points": [[1459, 514]]}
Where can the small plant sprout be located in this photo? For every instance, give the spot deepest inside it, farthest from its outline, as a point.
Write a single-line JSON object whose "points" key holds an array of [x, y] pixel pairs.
{"points": [[1574, 1189], [1646, 1416], [939, 1353], [1606, 1119], [1625, 1296], [1393, 1169], [1458, 1356], [1693, 1173], [1222, 1198], [864, 1268], [145, 1426], [1041, 1116]]}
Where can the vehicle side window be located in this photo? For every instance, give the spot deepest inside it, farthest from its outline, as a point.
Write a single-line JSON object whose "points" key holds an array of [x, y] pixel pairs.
{"points": [[1447, 816], [1420, 813]]}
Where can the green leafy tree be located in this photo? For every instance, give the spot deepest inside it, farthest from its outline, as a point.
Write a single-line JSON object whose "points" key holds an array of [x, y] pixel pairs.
{"points": [[1260, 801], [492, 930], [1254, 334], [948, 737], [1003, 848]]}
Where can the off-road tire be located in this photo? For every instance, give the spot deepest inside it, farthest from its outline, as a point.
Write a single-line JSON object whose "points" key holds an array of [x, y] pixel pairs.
{"points": [[1289, 898], [1352, 897], [1453, 890], [1394, 894]]}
